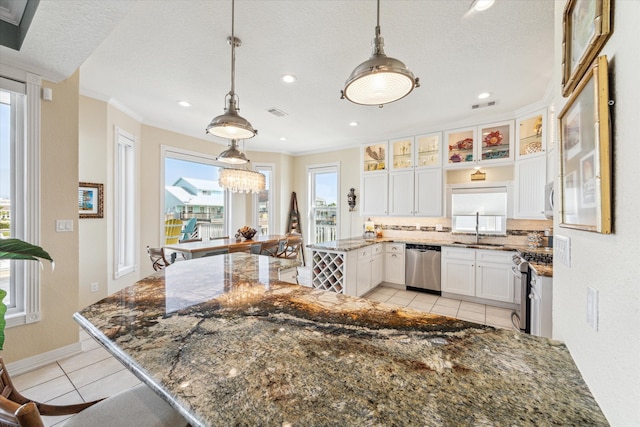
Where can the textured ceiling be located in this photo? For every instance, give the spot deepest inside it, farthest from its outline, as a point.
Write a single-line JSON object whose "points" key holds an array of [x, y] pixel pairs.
{"points": [[146, 55]]}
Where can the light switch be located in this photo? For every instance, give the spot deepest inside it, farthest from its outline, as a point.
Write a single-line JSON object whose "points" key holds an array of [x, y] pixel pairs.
{"points": [[562, 250], [64, 225]]}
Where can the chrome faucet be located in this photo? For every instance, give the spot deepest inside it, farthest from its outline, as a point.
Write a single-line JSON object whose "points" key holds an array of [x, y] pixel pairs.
{"points": [[477, 227]]}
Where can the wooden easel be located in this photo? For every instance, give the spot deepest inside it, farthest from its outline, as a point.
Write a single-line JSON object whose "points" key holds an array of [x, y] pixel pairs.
{"points": [[293, 224]]}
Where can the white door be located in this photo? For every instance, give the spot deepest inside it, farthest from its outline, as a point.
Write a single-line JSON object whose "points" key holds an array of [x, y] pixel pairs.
{"points": [[324, 185]]}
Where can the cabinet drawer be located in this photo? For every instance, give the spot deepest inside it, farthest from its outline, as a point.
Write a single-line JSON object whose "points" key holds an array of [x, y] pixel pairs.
{"points": [[290, 275], [377, 249], [458, 253], [364, 253], [394, 248], [502, 257]]}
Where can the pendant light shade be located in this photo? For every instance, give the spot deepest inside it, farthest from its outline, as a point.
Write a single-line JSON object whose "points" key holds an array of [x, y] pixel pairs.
{"points": [[381, 79], [232, 155], [231, 125]]}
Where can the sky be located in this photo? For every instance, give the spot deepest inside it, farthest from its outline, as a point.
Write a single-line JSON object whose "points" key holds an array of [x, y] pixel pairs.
{"points": [[174, 169], [5, 191]]}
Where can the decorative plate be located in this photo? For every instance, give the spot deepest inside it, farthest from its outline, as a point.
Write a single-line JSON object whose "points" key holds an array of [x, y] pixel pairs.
{"points": [[493, 138]]}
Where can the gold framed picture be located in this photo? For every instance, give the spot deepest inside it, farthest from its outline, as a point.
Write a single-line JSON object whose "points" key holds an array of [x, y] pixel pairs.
{"points": [[585, 154], [90, 200], [586, 27]]}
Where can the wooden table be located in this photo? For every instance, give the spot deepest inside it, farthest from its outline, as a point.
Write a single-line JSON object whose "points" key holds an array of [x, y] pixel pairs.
{"points": [[203, 248]]}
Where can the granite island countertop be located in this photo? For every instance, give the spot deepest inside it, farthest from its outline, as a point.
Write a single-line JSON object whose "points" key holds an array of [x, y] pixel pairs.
{"points": [[226, 343]]}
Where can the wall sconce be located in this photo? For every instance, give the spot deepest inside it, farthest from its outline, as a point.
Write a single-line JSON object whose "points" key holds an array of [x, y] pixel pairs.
{"points": [[351, 199]]}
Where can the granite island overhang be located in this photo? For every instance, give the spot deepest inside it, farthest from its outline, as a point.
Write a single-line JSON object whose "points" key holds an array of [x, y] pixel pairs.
{"points": [[227, 343]]}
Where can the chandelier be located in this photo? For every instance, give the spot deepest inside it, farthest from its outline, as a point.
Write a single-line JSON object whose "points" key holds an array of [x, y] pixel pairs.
{"points": [[231, 125], [380, 79], [242, 180]]}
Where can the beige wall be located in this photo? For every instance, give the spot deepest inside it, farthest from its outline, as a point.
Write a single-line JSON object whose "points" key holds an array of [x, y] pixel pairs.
{"points": [[59, 186], [608, 358]]}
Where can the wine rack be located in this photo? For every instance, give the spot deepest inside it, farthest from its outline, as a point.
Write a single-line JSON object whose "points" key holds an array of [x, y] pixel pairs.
{"points": [[328, 271]]}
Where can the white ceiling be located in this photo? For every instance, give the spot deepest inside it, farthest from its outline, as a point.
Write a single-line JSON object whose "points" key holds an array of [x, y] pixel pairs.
{"points": [[145, 55]]}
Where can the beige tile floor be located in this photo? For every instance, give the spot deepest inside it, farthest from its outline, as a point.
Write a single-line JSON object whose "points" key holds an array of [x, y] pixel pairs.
{"points": [[95, 374]]}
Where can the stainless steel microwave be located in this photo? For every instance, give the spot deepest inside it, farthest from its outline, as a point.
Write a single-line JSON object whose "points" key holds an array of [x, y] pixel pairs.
{"points": [[549, 200]]}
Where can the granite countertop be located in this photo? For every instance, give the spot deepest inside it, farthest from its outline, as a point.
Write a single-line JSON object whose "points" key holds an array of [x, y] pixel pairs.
{"points": [[226, 343], [346, 245]]}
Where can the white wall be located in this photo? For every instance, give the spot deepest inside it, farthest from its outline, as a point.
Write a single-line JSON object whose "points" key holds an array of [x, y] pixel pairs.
{"points": [[609, 358]]}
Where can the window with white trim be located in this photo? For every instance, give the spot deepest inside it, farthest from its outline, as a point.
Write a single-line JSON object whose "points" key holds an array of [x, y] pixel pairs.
{"points": [[125, 203], [20, 190], [263, 203]]}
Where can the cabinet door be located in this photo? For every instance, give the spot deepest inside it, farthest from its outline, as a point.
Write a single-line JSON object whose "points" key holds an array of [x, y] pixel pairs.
{"points": [[494, 281], [363, 276], [495, 143], [401, 193], [428, 192], [531, 135], [394, 268], [428, 150], [377, 270], [458, 271], [460, 148], [530, 181], [373, 194], [401, 153], [374, 157]]}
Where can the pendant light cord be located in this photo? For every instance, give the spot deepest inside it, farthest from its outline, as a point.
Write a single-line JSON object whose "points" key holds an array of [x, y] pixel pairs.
{"points": [[233, 50]]}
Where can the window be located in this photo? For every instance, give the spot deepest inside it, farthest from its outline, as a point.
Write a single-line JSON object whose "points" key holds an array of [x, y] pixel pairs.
{"points": [[20, 190], [323, 202], [125, 204], [484, 208], [191, 190], [263, 211]]}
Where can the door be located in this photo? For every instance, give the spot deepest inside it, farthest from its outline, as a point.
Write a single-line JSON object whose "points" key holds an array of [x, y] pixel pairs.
{"points": [[324, 184]]}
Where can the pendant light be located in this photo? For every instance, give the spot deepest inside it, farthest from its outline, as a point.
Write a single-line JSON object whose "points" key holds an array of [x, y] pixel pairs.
{"points": [[231, 125], [242, 180], [232, 155], [381, 79]]}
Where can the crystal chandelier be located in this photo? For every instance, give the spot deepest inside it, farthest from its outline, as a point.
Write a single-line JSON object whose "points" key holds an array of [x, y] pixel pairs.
{"points": [[241, 180]]}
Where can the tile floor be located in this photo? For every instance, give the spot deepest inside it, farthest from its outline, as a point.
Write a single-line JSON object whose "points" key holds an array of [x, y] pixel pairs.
{"points": [[94, 373]]}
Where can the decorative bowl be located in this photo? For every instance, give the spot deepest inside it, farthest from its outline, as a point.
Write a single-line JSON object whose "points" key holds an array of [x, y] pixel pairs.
{"points": [[247, 232]]}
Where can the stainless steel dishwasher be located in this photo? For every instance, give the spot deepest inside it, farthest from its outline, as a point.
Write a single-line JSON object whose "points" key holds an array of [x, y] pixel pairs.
{"points": [[422, 269]]}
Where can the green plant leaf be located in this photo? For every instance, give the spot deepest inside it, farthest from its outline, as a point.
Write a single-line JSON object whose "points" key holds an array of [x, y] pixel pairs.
{"points": [[18, 249], [3, 322]]}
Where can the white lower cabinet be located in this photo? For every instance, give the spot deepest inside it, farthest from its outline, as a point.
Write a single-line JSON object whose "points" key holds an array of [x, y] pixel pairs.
{"points": [[394, 263], [458, 271], [370, 268], [494, 279], [478, 273], [352, 273]]}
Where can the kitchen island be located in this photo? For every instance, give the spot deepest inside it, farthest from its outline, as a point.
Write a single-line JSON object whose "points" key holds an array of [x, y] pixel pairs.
{"points": [[227, 343]]}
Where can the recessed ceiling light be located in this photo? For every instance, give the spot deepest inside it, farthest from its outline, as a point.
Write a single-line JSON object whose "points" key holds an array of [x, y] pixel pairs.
{"points": [[480, 5], [354, 124], [283, 139], [289, 78], [184, 104], [484, 95]]}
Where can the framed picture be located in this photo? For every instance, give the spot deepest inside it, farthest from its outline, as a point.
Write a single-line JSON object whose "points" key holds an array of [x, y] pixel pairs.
{"points": [[90, 200], [585, 153], [586, 27]]}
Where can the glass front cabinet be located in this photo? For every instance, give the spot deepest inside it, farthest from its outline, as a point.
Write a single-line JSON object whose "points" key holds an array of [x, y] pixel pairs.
{"points": [[481, 145], [401, 153], [428, 150], [531, 135], [374, 157]]}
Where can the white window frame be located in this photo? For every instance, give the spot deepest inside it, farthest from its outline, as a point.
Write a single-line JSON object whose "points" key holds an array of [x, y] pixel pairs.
{"points": [[26, 203], [125, 224], [190, 156], [271, 167], [311, 171]]}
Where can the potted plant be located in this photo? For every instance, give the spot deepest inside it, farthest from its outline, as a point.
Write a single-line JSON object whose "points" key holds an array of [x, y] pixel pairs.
{"points": [[17, 249]]}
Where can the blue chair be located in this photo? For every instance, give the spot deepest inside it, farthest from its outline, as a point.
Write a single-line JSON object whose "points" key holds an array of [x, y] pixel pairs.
{"points": [[189, 229]]}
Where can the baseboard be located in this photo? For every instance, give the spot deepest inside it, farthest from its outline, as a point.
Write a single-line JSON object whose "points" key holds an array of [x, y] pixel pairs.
{"points": [[34, 362]]}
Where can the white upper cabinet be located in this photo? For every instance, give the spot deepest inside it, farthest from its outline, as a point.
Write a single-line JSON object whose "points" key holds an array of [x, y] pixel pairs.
{"points": [[428, 150], [482, 145], [373, 157], [531, 135], [401, 154]]}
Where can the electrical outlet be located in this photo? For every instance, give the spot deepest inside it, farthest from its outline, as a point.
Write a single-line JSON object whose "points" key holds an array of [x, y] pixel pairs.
{"points": [[592, 308], [418, 226], [562, 250], [438, 227], [94, 287]]}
